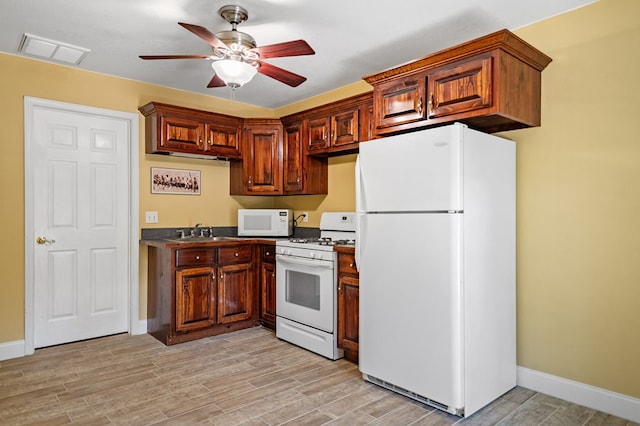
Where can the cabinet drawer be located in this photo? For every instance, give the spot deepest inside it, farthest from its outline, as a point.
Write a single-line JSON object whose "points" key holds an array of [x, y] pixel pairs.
{"points": [[237, 254], [269, 253], [195, 257], [347, 264]]}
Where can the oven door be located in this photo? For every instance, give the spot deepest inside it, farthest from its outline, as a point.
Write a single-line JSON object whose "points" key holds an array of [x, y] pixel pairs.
{"points": [[305, 291]]}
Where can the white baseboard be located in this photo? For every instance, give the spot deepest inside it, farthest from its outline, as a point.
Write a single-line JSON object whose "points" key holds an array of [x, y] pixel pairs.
{"points": [[141, 328], [579, 393], [11, 350], [16, 349]]}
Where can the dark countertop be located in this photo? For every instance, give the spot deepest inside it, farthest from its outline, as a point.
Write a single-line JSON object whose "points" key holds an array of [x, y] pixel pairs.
{"points": [[231, 241]]}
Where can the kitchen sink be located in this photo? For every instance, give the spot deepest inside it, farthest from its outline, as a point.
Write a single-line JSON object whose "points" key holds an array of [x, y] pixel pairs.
{"points": [[200, 239]]}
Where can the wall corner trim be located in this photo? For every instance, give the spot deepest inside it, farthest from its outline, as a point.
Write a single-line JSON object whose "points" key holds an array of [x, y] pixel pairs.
{"points": [[599, 399]]}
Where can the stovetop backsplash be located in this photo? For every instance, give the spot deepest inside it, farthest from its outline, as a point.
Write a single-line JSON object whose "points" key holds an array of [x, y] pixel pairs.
{"points": [[220, 231]]}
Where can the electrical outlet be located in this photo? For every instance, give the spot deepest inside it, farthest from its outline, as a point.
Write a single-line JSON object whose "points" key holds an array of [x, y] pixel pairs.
{"points": [[151, 217], [305, 216]]}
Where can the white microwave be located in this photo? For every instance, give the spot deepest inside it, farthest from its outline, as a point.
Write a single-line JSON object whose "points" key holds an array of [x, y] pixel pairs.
{"points": [[265, 222]]}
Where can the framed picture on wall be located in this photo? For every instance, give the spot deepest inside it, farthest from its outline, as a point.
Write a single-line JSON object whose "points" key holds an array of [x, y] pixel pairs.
{"points": [[175, 181]]}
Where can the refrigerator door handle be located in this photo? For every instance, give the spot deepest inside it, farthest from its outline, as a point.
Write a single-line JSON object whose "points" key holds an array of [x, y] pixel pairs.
{"points": [[360, 236], [359, 201]]}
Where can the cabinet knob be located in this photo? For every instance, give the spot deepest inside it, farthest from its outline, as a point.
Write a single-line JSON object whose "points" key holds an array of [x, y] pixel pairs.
{"points": [[420, 105], [430, 102], [236, 254], [268, 254], [197, 257], [351, 265]]}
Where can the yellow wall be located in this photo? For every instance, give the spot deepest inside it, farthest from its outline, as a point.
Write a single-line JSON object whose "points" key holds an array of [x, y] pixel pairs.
{"points": [[578, 260]]}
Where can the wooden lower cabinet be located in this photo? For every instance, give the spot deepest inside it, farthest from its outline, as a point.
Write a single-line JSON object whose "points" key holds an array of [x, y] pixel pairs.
{"points": [[268, 286], [235, 284], [198, 291], [348, 303], [195, 298]]}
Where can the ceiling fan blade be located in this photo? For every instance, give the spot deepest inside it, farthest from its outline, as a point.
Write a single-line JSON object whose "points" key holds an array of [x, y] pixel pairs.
{"points": [[216, 82], [288, 48], [174, 56], [282, 75], [205, 34]]}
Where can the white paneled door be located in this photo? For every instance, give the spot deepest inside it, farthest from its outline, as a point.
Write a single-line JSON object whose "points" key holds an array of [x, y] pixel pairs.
{"points": [[80, 174]]}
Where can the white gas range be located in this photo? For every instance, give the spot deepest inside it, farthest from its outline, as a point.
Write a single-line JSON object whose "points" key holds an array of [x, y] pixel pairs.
{"points": [[306, 285]]}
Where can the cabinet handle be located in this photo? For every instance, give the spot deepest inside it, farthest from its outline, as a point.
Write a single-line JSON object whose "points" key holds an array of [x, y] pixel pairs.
{"points": [[221, 276], [250, 181], [213, 276], [420, 105], [430, 103]]}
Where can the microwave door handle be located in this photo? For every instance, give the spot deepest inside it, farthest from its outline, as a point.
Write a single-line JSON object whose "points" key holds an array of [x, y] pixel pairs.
{"points": [[298, 261]]}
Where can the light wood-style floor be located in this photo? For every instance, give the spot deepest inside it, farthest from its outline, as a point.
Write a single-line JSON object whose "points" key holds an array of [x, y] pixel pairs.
{"points": [[243, 378]]}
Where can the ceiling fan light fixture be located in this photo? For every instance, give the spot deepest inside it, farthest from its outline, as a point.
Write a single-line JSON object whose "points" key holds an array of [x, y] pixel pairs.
{"points": [[234, 73]]}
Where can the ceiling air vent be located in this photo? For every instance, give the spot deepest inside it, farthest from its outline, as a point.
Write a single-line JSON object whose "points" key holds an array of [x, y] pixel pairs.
{"points": [[41, 47]]}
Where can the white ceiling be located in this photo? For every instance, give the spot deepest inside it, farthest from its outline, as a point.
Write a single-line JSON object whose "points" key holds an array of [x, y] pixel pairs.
{"points": [[352, 38]]}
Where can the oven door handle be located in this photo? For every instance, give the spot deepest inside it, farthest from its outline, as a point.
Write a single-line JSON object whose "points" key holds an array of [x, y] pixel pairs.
{"points": [[298, 261]]}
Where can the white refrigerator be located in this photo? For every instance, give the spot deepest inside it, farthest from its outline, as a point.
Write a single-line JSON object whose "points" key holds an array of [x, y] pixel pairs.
{"points": [[435, 248]]}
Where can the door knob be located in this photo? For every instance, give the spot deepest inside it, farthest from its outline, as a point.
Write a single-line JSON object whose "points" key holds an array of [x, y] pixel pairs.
{"points": [[44, 240]]}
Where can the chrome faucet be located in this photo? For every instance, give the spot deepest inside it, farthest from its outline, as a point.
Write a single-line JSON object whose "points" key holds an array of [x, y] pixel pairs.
{"points": [[195, 228]]}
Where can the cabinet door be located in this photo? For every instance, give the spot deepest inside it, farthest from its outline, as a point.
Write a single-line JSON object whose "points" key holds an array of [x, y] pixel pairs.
{"points": [[181, 134], [293, 158], [222, 140], [400, 101], [262, 159], [318, 131], [345, 128], [235, 294], [460, 87], [348, 312], [268, 294], [195, 298]]}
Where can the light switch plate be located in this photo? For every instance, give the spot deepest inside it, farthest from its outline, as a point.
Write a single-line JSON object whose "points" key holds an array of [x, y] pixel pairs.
{"points": [[152, 217]]}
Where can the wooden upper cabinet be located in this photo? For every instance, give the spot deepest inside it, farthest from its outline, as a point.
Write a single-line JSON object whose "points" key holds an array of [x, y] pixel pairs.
{"points": [[335, 128], [338, 129], [460, 87], [180, 133], [319, 133], [345, 127], [222, 139], [492, 84], [293, 158], [175, 130], [303, 175], [400, 102], [260, 171]]}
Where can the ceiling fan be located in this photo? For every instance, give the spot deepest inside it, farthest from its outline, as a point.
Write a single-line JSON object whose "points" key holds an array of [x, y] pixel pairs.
{"points": [[236, 56]]}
